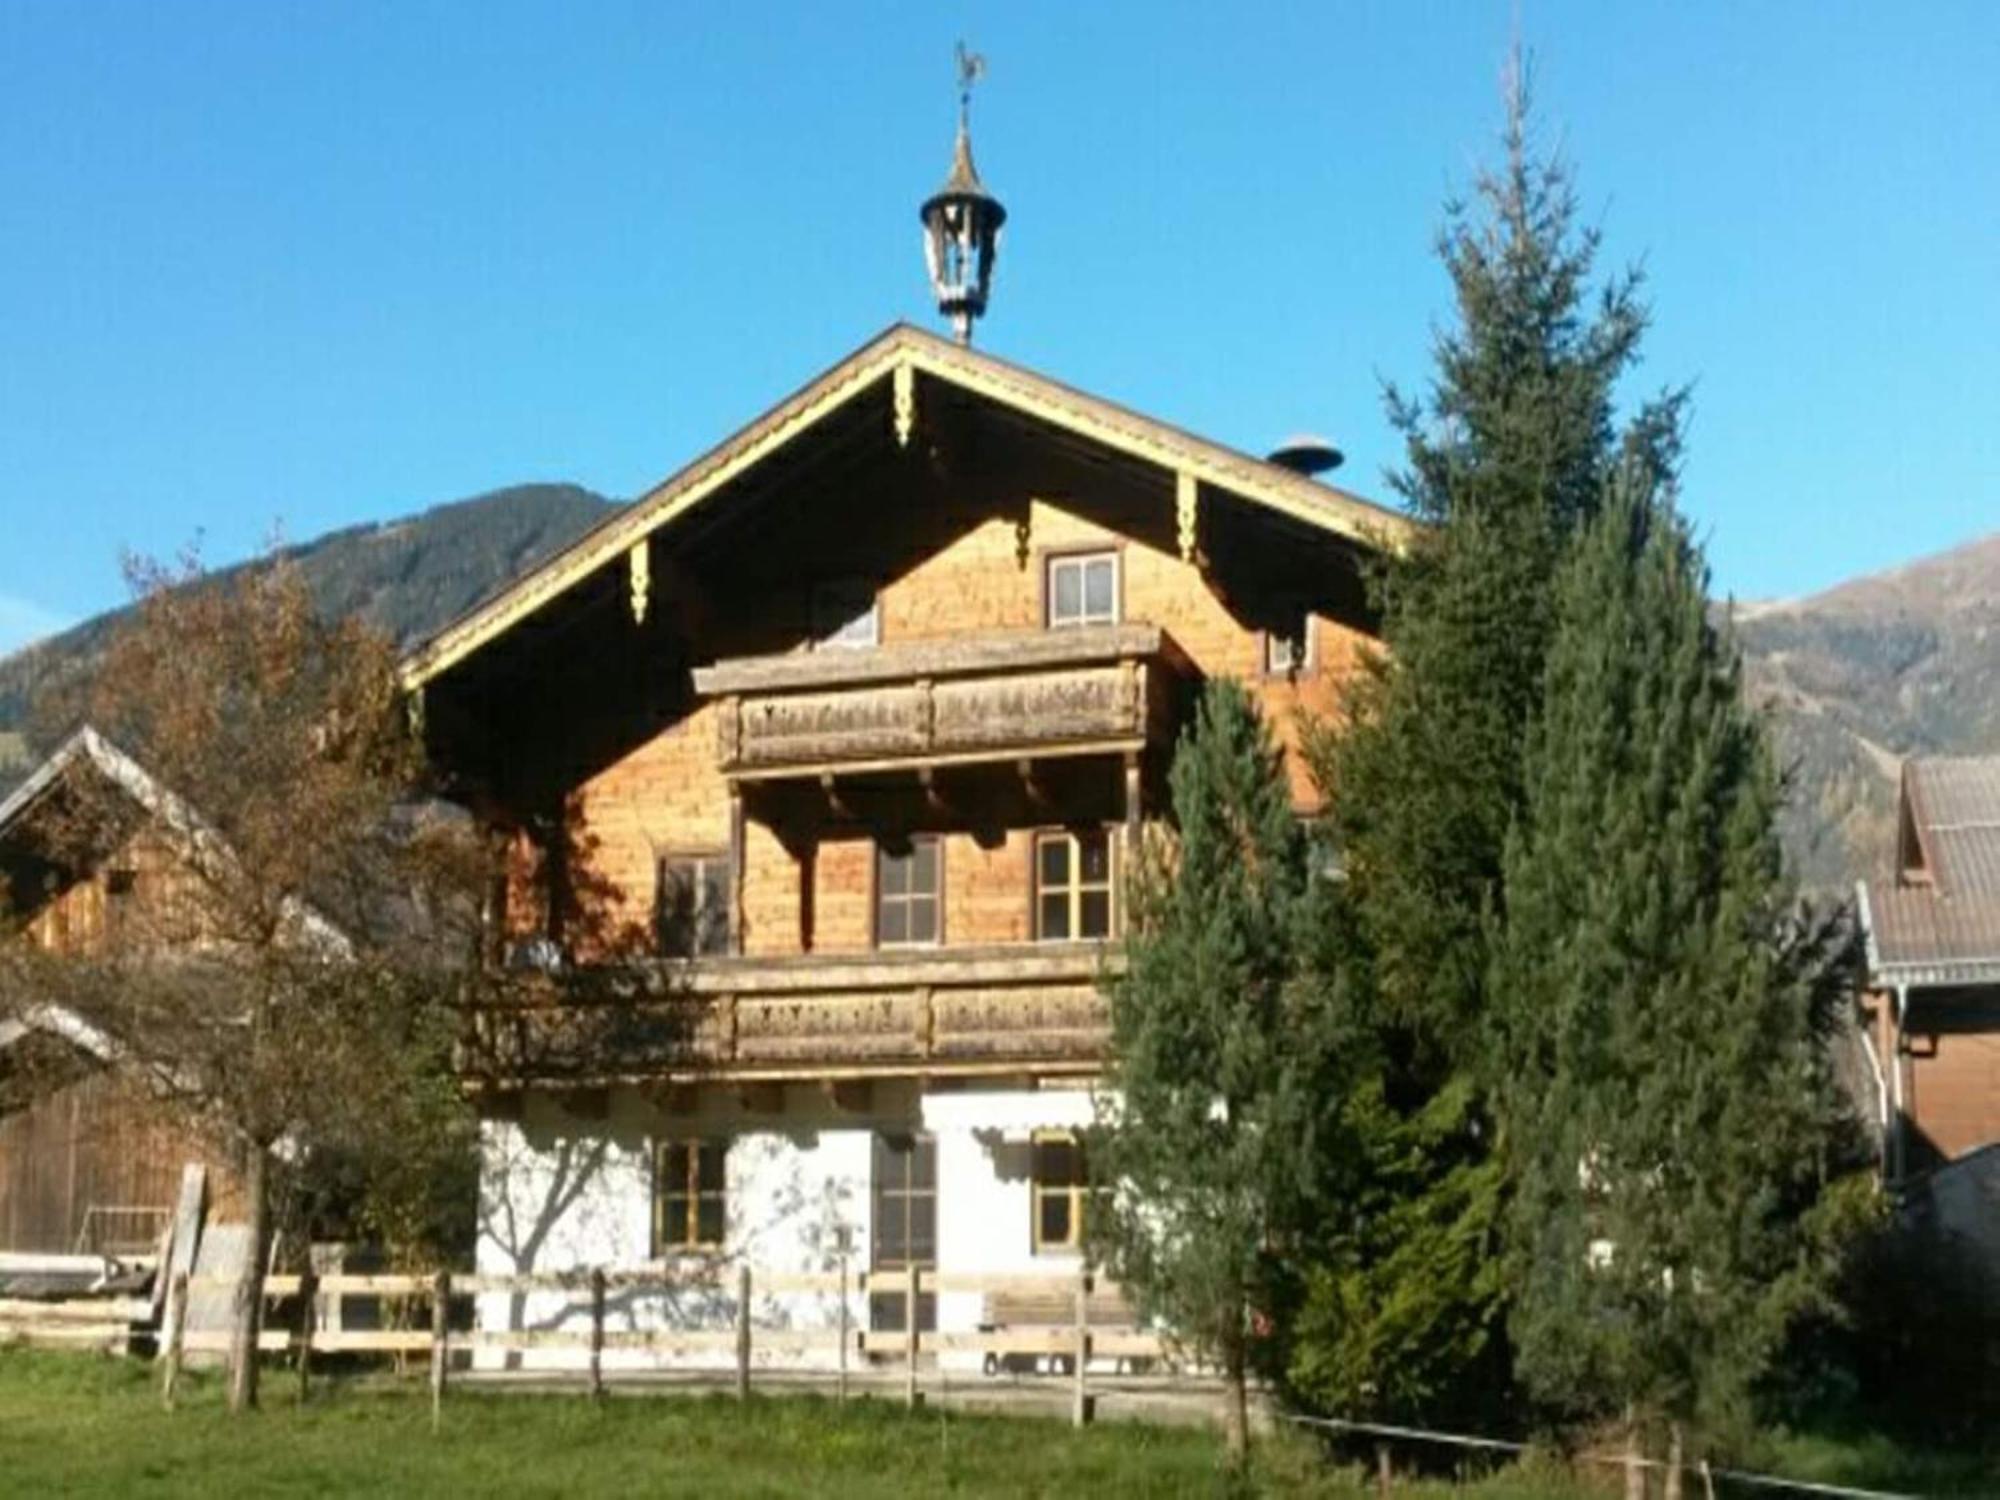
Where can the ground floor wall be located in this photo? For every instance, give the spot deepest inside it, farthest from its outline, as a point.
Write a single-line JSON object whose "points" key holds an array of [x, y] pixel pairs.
{"points": [[564, 1190]]}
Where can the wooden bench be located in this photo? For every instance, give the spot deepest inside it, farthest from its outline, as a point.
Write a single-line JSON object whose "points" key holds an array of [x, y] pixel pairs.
{"points": [[1106, 1310]]}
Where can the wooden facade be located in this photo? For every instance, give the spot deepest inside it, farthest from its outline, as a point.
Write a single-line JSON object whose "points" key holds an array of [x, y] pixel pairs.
{"points": [[933, 620], [88, 1163]]}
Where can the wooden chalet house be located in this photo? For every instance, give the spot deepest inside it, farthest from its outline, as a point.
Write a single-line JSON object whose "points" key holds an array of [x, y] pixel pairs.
{"points": [[850, 726], [88, 1162]]}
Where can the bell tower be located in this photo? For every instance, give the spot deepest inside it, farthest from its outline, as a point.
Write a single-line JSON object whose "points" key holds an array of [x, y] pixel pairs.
{"points": [[962, 221]]}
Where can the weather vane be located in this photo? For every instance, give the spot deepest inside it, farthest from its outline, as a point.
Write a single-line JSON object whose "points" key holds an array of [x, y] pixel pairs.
{"points": [[962, 220], [971, 68]]}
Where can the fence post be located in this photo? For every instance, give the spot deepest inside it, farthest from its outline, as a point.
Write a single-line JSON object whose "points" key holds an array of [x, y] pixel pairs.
{"points": [[177, 1303], [597, 1331], [840, 1388], [913, 1283], [308, 1295], [440, 1333], [1080, 1403], [743, 1332]]}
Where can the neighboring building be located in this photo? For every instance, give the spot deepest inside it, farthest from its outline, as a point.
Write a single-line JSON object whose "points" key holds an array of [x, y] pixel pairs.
{"points": [[855, 720], [87, 1161], [1933, 1013]]}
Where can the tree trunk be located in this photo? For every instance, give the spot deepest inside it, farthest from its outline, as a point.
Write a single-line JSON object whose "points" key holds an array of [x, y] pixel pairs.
{"points": [[1236, 1404], [1635, 1453], [248, 1311], [1676, 1452]]}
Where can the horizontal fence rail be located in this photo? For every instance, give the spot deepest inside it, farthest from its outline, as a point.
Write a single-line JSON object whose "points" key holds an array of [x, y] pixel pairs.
{"points": [[1077, 1318]]}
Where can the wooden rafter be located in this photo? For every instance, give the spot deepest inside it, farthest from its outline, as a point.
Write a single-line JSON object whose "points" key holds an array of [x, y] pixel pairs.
{"points": [[1115, 428]]}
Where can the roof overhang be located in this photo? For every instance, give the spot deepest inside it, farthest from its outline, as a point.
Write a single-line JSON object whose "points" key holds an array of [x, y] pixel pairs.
{"points": [[898, 357]]}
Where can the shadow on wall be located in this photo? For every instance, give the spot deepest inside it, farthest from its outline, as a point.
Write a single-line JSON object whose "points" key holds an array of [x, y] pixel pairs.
{"points": [[554, 1200]]}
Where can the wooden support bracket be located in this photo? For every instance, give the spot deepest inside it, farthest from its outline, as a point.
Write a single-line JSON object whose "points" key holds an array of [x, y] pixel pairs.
{"points": [[850, 1096], [1186, 515], [761, 1098]]}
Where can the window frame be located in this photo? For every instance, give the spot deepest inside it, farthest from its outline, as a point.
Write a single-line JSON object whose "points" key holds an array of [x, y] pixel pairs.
{"points": [[819, 612], [1307, 661], [1077, 1193], [1077, 888], [1081, 558], [901, 1149], [879, 896], [689, 1242], [699, 859]]}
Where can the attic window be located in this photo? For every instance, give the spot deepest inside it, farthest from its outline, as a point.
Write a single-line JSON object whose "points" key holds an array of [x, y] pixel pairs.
{"points": [[1290, 651], [1083, 589], [846, 615], [120, 882]]}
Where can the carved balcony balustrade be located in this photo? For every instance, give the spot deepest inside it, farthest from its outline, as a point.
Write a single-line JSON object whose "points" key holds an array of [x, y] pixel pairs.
{"points": [[999, 1009], [1015, 695]]}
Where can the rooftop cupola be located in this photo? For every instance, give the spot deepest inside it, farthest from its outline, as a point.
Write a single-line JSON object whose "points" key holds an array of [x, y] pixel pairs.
{"points": [[962, 221]]}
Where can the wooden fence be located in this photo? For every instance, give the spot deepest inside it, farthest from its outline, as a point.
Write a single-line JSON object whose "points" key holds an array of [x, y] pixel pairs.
{"points": [[1085, 1334]]}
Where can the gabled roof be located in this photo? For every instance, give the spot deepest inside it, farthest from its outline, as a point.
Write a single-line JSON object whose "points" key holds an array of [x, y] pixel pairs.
{"points": [[87, 748], [1940, 923], [1954, 809], [898, 355]]}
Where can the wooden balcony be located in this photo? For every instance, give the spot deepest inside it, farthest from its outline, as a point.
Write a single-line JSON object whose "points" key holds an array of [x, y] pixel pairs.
{"points": [[936, 1012], [1110, 688]]}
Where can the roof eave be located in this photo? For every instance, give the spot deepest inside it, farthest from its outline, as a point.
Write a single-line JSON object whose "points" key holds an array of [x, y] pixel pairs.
{"points": [[1306, 500]]}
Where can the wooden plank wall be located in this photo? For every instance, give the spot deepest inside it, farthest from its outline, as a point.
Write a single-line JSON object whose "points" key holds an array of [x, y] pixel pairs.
{"points": [[88, 1143]]}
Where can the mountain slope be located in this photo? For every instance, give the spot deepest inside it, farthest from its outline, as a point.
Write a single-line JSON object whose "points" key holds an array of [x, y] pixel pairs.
{"points": [[409, 577], [1903, 662]]}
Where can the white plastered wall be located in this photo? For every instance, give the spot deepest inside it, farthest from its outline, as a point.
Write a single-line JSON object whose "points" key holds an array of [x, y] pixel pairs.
{"points": [[565, 1193]]}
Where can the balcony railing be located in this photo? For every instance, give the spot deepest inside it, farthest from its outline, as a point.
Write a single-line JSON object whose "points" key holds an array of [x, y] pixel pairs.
{"points": [[994, 697], [941, 1011]]}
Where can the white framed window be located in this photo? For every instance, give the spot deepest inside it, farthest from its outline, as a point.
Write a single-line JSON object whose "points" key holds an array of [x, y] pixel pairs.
{"points": [[846, 615], [691, 905], [1082, 589], [1290, 651], [1073, 885], [690, 1195], [909, 890]]}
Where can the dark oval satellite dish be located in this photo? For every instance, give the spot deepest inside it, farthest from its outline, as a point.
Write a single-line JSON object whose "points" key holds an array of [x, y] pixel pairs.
{"points": [[1303, 453]]}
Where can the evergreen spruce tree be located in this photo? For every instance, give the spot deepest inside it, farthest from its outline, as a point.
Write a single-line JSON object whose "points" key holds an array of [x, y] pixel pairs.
{"points": [[1660, 1001], [1506, 458], [1199, 1147]]}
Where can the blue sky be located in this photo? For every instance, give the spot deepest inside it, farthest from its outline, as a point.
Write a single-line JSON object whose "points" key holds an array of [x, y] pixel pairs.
{"points": [[304, 265]]}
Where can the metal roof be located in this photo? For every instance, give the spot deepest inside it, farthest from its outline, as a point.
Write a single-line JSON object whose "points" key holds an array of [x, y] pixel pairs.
{"points": [[1954, 805], [1946, 929]]}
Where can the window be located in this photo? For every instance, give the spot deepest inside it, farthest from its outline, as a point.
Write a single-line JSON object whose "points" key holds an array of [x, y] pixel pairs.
{"points": [[905, 1175], [689, 1194], [1083, 589], [845, 616], [1289, 651], [906, 893], [692, 915], [1073, 885], [1060, 1188]]}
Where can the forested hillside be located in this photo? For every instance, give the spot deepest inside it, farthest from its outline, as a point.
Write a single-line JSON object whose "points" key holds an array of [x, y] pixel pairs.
{"points": [[409, 576], [1901, 662]]}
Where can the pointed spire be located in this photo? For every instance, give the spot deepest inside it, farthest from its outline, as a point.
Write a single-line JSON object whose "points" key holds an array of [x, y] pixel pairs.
{"points": [[962, 220]]}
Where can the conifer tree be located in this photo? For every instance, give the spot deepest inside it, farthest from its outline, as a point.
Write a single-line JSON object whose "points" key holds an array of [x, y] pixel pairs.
{"points": [[1199, 1145], [1506, 457], [1660, 1000]]}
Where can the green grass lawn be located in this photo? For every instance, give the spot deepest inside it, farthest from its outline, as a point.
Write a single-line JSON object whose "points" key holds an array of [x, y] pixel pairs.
{"points": [[83, 1425]]}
